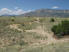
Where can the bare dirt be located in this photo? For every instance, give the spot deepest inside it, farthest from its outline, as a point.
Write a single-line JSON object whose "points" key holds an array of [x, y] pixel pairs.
{"points": [[50, 38], [15, 27], [40, 31]]}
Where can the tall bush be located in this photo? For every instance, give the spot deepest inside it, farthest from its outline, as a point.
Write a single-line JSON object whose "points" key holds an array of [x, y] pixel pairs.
{"points": [[61, 29]]}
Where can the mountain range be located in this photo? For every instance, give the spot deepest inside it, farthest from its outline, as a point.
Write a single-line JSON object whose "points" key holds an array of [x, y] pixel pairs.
{"points": [[44, 13], [47, 13]]}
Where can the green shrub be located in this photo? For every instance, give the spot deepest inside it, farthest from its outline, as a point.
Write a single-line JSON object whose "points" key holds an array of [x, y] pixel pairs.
{"points": [[61, 29], [23, 43], [52, 20], [12, 19]]}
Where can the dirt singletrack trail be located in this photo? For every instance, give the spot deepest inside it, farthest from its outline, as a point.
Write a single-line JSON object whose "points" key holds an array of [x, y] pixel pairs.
{"points": [[40, 31], [50, 38], [15, 26]]}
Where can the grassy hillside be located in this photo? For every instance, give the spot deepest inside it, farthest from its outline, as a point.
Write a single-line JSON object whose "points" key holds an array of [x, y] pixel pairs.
{"points": [[27, 34]]}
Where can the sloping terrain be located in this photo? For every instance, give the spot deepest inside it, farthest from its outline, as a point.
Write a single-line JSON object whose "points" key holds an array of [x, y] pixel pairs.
{"points": [[30, 35], [50, 39]]}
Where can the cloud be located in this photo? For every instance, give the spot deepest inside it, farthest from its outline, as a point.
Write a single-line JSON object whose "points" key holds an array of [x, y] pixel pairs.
{"points": [[55, 7], [18, 12], [6, 11]]}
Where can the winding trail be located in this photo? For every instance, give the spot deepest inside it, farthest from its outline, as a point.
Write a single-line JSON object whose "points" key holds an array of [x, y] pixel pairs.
{"points": [[50, 38], [40, 30]]}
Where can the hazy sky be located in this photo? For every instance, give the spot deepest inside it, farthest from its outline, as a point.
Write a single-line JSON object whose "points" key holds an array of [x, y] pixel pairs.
{"points": [[28, 5]]}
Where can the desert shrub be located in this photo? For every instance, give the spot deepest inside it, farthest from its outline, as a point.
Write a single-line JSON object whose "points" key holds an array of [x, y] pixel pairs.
{"points": [[12, 19], [28, 16], [52, 20], [61, 29], [41, 20], [23, 24], [23, 43]]}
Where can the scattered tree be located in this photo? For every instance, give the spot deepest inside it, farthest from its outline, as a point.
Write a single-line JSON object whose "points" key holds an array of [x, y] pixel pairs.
{"points": [[52, 20], [61, 29], [13, 19]]}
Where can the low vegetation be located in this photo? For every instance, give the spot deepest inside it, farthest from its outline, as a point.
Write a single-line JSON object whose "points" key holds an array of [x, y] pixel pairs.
{"points": [[15, 38], [52, 20], [61, 29], [49, 48]]}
